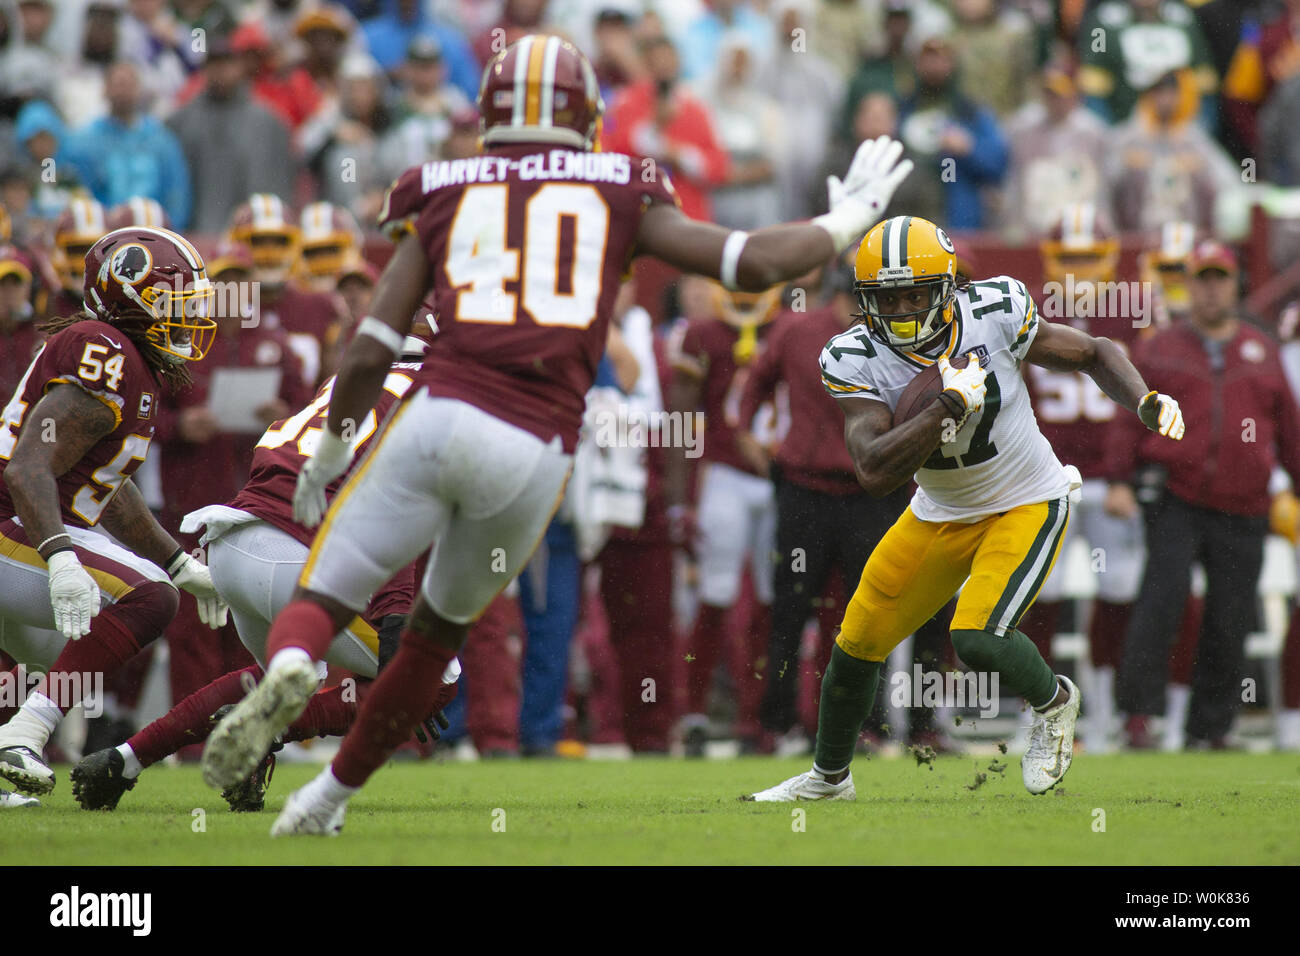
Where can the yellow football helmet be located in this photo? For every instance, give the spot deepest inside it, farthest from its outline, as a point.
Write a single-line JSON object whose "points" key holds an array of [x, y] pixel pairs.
{"points": [[747, 312], [80, 226], [1081, 246], [901, 253]]}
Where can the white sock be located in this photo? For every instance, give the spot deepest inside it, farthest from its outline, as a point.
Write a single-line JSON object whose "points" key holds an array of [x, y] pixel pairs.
{"points": [[1288, 730], [325, 788], [1177, 697], [32, 726], [133, 768], [288, 655]]}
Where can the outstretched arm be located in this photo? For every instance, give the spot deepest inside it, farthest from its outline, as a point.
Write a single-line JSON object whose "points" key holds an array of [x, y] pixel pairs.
{"points": [[758, 260], [1065, 349]]}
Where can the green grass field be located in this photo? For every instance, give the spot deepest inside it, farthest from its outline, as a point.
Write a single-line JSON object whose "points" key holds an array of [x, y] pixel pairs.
{"points": [[1158, 809]]}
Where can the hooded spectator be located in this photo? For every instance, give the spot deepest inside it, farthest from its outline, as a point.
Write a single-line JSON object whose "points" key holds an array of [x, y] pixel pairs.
{"points": [[390, 33]]}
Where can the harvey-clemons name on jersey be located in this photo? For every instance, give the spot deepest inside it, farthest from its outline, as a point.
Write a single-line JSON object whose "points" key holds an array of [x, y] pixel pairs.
{"points": [[558, 165], [999, 459]]}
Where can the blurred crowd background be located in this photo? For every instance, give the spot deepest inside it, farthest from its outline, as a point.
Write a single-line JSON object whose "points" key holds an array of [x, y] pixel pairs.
{"points": [[1099, 141]]}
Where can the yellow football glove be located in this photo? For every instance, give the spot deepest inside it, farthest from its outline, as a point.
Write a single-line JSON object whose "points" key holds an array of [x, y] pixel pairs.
{"points": [[1161, 414]]}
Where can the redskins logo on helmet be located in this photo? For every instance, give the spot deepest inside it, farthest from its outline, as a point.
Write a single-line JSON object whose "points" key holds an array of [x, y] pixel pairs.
{"points": [[1081, 247], [265, 225], [78, 228], [155, 279], [904, 253], [540, 89]]}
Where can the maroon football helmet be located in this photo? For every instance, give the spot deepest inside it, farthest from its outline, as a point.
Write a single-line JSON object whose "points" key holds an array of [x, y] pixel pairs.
{"points": [[153, 278], [138, 211], [540, 89]]}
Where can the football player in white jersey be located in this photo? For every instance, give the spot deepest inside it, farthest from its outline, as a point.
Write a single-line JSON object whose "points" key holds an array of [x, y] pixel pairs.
{"points": [[992, 502]]}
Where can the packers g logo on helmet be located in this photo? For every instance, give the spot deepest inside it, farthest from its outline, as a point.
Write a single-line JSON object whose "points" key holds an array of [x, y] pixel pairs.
{"points": [[903, 253]]}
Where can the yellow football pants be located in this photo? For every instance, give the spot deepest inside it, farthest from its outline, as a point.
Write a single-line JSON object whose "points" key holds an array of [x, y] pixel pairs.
{"points": [[918, 566]]}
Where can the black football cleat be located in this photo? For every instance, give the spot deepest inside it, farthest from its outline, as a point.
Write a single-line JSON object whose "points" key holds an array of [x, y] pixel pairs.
{"points": [[97, 781], [249, 795]]}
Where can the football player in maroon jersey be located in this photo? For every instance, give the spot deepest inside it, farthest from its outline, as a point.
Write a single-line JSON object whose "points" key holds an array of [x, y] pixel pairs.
{"points": [[77, 427], [77, 229], [520, 252], [256, 551]]}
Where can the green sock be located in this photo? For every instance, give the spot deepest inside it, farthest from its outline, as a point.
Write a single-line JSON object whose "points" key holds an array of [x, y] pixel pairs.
{"points": [[848, 691], [1020, 668]]}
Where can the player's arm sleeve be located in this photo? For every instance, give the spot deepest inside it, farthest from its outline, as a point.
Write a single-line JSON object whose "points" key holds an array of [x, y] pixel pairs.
{"points": [[844, 370]]}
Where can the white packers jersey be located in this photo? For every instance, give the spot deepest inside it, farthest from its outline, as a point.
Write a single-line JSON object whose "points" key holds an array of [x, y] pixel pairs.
{"points": [[999, 459]]}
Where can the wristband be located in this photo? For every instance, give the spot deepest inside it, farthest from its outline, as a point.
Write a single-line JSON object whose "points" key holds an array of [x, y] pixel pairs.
{"points": [[175, 562], [385, 335], [731, 251], [50, 557], [55, 537]]}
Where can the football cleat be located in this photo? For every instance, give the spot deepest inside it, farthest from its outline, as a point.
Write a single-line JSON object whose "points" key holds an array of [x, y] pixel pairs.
{"points": [[807, 786], [300, 818], [26, 770], [1051, 743], [244, 737], [97, 781], [249, 795], [10, 800]]}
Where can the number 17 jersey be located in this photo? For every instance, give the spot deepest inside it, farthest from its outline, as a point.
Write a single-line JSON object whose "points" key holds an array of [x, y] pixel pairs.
{"points": [[999, 459], [526, 248]]}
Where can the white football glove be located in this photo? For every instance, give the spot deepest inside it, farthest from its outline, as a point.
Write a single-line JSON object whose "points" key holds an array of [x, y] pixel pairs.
{"points": [[1161, 414], [967, 383], [858, 202], [190, 574], [333, 455], [74, 595]]}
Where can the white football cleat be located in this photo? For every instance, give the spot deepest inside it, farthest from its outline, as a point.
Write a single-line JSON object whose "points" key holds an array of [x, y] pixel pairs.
{"points": [[1051, 743], [241, 741], [26, 770], [8, 800], [300, 818], [807, 786]]}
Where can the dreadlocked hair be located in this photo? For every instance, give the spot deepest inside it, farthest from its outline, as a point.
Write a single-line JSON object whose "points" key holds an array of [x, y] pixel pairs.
{"points": [[172, 374]]}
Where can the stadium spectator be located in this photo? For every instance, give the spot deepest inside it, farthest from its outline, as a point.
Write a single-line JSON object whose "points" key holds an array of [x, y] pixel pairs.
{"points": [[425, 111], [151, 38], [701, 41], [808, 92], [1266, 56], [31, 60], [947, 132], [995, 54], [1124, 46], [892, 70], [749, 129], [227, 168], [920, 194], [41, 135], [341, 143], [1279, 147], [290, 93], [614, 52], [210, 18], [1059, 152], [1209, 495], [131, 153], [389, 34], [80, 84], [518, 19], [1164, 166], [659, 118], [324, 33]]}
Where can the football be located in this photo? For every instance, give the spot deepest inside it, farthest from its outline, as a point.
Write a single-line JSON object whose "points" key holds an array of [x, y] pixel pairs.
{"points": [[922, 391]]}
